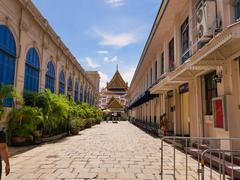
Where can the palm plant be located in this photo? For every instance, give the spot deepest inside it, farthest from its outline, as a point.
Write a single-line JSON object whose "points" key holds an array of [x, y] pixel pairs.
{"points": [[24, 122], [8, 91]]}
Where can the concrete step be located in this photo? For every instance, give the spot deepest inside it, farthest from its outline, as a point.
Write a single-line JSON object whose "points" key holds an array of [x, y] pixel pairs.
{"points": [[216, 162], [236, 159]]}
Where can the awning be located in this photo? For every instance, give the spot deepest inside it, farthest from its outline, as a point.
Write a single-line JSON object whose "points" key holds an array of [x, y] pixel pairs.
{"points": [[224, 46], [143, 99]]}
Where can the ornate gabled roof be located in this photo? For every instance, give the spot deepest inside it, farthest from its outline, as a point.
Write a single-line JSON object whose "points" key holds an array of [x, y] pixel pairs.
{"points": [[114, 104], [117, 83]]}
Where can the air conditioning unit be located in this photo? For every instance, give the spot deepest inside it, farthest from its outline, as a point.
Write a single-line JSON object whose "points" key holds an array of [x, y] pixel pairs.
{"points": [[206, 21]]}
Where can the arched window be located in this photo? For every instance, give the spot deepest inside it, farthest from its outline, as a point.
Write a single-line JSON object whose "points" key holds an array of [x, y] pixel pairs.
{"points": [[93, 99], [61, 89], [50, 77], [7, 59], [90, 99], [32, 68], [70, 85], [85, 95], [76, 92], [81, 93]]}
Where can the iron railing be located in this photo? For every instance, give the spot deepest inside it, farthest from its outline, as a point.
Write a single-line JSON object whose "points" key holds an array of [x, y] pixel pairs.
{"points": [[225, 168], [196, 147], [149, 126]]}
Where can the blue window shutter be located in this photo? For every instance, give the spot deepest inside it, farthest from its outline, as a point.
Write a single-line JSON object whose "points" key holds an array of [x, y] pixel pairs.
{"points": [[76, 92], [61, 83], [50, 77], [32, 69], [81, 94], [70, 85], [7, 59]]}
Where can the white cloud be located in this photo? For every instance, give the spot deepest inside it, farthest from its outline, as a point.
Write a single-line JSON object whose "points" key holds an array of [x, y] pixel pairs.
{"points": [[103, 52], [110, 60], [91, 63], [128, 74], [117, 40], [104, 79], [115, 3]]}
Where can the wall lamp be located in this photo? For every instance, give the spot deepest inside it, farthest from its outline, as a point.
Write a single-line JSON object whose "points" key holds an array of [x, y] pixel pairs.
{"points": [[218, 77]]}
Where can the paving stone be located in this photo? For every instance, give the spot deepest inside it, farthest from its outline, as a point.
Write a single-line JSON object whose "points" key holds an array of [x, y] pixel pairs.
{"points": [[86, 175], [107, 151]]}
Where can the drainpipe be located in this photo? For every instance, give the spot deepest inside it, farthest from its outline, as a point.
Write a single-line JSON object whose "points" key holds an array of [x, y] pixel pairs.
{"points": [[218, 19]]}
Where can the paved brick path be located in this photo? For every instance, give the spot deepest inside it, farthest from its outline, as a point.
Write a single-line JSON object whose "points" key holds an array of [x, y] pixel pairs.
{"points": [[106, 151]]}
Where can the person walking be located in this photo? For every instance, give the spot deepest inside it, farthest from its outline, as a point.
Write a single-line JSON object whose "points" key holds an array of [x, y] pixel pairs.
{"points": [[4, 154], [164, 124]]}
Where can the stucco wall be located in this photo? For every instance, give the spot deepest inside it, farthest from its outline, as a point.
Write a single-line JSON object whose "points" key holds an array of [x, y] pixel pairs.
{"points": [[31, 30]]}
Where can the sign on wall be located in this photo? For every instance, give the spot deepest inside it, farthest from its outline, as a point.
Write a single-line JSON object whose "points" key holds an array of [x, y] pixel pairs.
{"points": [[219, 113]]}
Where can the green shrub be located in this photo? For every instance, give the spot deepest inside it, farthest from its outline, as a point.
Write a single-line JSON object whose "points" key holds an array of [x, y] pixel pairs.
{"points": [[98, 121], [23, 122], [55, 112], [88, 123], [8, 91], [82, 124], [93, 120], [55, 109], [77, 122]]}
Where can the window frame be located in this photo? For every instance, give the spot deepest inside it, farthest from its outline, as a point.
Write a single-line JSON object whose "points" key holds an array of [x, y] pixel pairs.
{"points": [[171, 55], [185, 40], [156, 68], [151, 76], [162, 64], [237, 10], [209, 91]]}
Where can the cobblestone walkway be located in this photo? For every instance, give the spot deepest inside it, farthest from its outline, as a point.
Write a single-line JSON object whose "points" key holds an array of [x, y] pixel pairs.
{"points": [[106, 151]]}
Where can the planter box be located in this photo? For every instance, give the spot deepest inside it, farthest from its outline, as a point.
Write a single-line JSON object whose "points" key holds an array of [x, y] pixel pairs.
{"points": [[54, 138], [18, 141], [74, 131]]}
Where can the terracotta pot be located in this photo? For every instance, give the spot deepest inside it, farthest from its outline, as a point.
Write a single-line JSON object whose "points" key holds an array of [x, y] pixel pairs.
{"points": [[74, 131], [98, 121], [18, 141]]}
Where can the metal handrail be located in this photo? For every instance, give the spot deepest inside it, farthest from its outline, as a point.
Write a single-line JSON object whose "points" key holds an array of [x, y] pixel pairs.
{"points": [[187, 140]]}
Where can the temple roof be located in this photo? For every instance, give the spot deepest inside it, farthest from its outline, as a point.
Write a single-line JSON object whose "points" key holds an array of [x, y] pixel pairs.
{"points": [[114, 104], [117, 83]]}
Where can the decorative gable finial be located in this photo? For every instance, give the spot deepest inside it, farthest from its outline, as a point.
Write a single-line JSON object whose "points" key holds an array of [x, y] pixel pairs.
{"points": [[117, 67]]}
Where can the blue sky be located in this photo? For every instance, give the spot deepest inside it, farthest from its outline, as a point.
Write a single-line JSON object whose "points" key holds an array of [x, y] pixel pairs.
{"points": [[102, 33]]}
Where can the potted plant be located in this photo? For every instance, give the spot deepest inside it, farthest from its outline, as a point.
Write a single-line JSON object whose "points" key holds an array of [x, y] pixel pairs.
{"points": [[75, 126], [98, 121], [23, 125], [88, 123], [7, 91], [81, 124]]}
